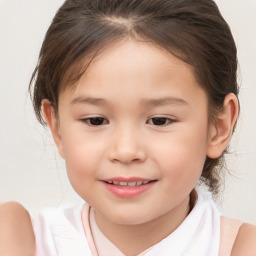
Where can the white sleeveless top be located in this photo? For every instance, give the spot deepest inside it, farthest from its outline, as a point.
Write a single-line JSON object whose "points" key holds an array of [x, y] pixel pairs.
{"points": [[71, 232]]}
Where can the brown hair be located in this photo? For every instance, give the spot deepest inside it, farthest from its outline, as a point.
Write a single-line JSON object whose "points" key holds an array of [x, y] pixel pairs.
{"points": [[192, 30]]}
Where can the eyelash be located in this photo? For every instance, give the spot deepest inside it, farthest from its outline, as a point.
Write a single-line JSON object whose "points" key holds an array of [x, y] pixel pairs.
{"points": [[165, 119], [97, 118], [103, 121]]}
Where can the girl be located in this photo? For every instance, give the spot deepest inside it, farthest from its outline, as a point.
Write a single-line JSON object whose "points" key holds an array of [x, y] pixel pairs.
{"points": [[141, 100]]}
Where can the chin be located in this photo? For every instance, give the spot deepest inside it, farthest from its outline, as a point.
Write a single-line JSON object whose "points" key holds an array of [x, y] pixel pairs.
{"points": [[130, 218]]}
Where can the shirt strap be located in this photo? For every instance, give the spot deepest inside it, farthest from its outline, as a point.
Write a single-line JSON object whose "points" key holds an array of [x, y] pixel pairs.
{"points": [[85, 216]]}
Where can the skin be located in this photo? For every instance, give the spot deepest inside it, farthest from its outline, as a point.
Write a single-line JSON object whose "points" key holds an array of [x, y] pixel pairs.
{"points": [[132, 79], [16, 232], [237, 239], [245, 243]]}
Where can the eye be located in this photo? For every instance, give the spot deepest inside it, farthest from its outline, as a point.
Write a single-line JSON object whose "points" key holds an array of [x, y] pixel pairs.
{"points": [[95, 121], [160, 121]]}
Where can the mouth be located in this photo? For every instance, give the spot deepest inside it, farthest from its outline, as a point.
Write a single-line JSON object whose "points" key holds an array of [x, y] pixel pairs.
{"points": [[128, 187]]}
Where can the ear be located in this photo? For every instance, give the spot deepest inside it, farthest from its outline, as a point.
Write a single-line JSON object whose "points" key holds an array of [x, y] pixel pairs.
{"points": [[51, 120], [221, 130]]}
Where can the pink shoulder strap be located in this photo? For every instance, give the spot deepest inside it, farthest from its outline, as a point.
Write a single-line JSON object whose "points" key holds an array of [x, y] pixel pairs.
{"points": [[228, 232], [87, 229]]}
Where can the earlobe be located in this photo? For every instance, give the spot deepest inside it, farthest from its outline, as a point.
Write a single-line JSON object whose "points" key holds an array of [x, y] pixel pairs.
{"points": [[222, 129], [51, 120]]}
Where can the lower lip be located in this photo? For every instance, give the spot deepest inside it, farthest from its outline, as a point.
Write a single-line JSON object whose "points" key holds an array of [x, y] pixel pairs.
{"points": [[125, 191]]}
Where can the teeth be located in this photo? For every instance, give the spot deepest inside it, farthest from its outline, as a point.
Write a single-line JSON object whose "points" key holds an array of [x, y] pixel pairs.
{"points": [[122, 183], [132, 184], [129, 184]]}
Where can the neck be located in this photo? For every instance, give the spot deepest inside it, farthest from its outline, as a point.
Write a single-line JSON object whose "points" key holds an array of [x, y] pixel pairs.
{"points": [[134, 239]]}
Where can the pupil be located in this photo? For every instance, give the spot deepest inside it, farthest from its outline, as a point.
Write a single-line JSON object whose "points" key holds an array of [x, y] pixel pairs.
{"points": [[159, 121], [96, 121]]}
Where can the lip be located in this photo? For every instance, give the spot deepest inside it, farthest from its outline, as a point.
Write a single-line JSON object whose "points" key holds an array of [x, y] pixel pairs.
{"points": [[127, 191]]}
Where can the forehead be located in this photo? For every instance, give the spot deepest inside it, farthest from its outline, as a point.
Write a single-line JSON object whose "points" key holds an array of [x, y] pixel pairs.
{"points": [[130, 68], [133, 58]]}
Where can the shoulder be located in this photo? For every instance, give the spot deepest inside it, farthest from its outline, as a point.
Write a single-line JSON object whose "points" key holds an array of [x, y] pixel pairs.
{"points": [[16, 233], [13, 215], [245, 242]]}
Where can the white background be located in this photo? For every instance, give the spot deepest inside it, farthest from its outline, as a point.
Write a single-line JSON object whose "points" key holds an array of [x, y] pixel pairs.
{"points": [[31, 171]]}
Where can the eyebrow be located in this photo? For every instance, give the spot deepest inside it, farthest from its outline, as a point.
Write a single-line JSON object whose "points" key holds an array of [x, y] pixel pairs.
{"points": [[164, 101], [89, 100], [148, 102]]}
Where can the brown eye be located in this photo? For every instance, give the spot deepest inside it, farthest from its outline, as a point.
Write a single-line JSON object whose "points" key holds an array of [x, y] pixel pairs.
{"points": [[160, 121], [95, 121]]}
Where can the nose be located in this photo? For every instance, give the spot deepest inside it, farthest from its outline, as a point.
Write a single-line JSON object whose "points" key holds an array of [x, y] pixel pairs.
{"points": [[126, 147]]}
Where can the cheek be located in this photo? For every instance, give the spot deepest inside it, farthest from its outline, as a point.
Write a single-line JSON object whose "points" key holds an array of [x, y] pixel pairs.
{"points": [[83, 155], [182, 156]]}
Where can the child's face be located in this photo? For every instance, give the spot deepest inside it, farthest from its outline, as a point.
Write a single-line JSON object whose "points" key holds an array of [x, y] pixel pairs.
{"points": [[137, 114]]}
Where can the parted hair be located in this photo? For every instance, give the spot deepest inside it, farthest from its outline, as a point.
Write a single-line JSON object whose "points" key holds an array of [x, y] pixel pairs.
{"points": [[192, 30]]}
